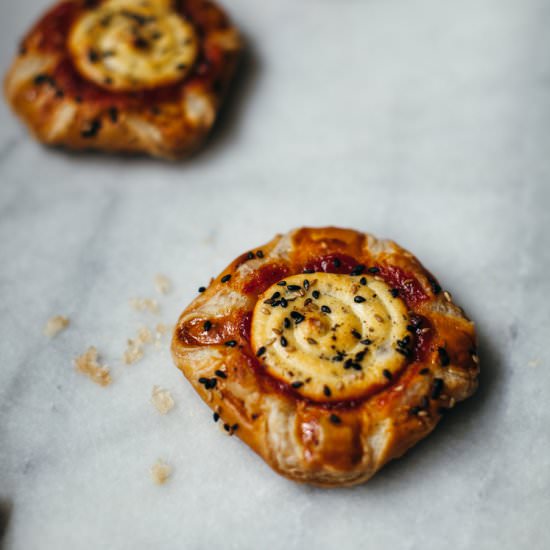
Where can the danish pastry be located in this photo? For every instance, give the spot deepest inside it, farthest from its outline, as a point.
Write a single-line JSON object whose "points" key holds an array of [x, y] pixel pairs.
{"points": [[125, 75], [329, 352]]}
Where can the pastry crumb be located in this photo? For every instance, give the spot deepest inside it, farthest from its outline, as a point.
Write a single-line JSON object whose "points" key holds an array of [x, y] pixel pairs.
{"points": [[163, 284], [160, 472], [144, 304], [88, 364], [145, 336], [162, 400], [55, 325], [133, 353]]}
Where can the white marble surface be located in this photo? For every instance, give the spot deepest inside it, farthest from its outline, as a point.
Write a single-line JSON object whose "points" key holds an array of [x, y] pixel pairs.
{"points": [[420, 120]]}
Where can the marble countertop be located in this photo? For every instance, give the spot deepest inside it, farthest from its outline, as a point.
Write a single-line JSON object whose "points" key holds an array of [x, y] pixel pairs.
{"points": [[419, 120]]}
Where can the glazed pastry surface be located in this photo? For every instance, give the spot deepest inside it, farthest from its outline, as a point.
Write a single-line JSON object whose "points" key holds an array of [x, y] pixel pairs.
{"points": [[329, 352]]}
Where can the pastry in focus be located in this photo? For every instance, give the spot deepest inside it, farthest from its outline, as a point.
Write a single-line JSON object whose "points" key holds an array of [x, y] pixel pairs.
{"points": [[329, 352], [136, 76]]}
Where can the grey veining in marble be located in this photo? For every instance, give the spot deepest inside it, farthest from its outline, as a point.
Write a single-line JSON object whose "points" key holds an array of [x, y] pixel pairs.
{"points": [[422, 120]]}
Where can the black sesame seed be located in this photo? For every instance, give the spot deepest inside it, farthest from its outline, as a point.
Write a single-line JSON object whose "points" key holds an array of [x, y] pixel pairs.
{"points": [[202, 288], [424, 371], [207, 325], [356, 366], [394, 292], [286, 322], [259, 254], [326, 391], [309, 271], [298, 317], [435, 286], [91, 129], [339, 357], [220, 374], [326, 309], [366, 342], [294, 288], [373, 270], [226, 278], [93, 56], [356, 334], [387, 374], [284, 303], [235, 427], [437, 388], [226, 427], [335, 419], [284, 342], [260, 351], [360, 356], [404, 342], [275, 295], [348, 364], [203, 380], [44, 79], [113, 114], [359, 299], [444, 358], [250, 256], [410, 328], [216, 417], [231, 343], [211, 384], [316, 294], [306, 284], [363, 281], [357, 270], [297, 384], [282, 283]]}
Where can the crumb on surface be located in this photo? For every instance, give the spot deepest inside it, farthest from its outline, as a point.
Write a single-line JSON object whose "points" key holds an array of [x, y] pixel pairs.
{"points": [[55, 325], [145, 336], [163, 284], [160, 472], [133, 352], [144, 304], [162, 400], [88, 364]]}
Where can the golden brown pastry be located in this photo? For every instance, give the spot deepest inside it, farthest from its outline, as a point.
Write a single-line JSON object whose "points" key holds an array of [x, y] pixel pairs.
{"points": [[125, 75], [328, 351]]}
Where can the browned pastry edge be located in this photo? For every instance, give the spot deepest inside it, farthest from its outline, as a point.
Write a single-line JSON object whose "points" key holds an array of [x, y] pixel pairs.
{"points": [[61, 108], [326, 444]]}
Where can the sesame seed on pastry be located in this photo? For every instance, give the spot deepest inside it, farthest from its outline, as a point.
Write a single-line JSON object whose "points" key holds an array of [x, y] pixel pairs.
{"points": [[140, 76], [329, 352]]}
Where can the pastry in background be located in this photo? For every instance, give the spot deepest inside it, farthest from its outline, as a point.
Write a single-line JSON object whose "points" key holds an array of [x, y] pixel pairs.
{"points": [[139, 76], [329, 352]]}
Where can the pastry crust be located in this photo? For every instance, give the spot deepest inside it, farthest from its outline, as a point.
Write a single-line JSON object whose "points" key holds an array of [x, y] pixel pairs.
{"points": [[125, 75], [337, 438]]}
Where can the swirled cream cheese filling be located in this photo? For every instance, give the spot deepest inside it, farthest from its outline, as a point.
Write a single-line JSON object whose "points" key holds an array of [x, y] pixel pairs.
{"points": [[331, 337], [127, 45]]}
